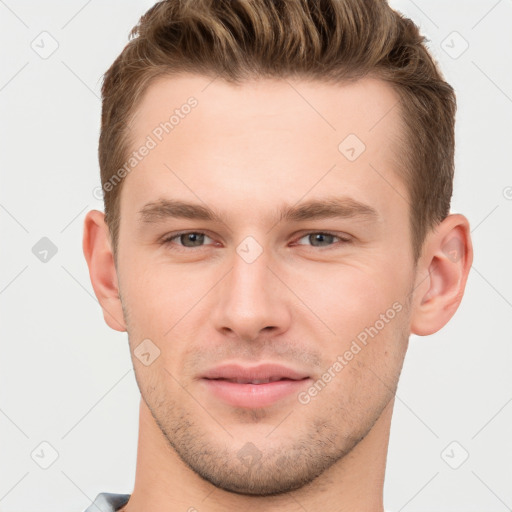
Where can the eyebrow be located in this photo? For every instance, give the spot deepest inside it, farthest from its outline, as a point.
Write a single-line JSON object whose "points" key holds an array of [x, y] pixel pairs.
{"points": [[330, 207]]}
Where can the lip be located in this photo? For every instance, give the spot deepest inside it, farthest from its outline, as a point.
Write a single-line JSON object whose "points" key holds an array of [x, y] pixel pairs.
{"points": [[253, 395], [258, 372]]}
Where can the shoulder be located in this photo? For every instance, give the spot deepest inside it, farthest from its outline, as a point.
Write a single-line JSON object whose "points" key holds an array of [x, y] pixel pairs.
{"points": [[108, 502]]}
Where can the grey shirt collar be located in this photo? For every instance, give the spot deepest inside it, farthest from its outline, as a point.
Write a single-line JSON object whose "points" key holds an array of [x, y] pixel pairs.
{"points": [[108, 502]]}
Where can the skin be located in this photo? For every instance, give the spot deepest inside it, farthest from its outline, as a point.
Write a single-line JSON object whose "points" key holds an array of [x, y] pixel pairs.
{"points": [[245, 151]]}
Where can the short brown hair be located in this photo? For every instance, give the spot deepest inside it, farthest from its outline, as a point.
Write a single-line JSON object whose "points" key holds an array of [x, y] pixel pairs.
{"points": [[325, 40]]}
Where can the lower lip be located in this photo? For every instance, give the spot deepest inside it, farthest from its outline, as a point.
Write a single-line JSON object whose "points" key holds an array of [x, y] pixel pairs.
{"points": [[254, 395]]}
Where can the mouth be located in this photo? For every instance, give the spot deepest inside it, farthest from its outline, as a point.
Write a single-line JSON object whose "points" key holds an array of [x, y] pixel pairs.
{"points": [[255, 381], [246, 374], [253, 387]]}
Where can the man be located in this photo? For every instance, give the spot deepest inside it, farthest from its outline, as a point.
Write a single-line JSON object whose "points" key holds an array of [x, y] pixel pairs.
{"points": [[277, 180]]}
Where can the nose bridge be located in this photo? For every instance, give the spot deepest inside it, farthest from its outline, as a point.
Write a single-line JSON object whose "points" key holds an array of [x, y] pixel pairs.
{"points": [[250, 296]]}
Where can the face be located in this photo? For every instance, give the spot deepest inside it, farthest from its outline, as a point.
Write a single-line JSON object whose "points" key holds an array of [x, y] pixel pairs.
{"points": [[293, 250]]}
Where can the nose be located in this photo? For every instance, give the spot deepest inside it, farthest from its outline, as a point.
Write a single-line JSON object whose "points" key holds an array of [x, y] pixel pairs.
{"points": [[251, 300]]}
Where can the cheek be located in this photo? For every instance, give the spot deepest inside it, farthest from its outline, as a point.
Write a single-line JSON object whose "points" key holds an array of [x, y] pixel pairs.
{"points": [[366, 310], [160, 296], [348, 298]]}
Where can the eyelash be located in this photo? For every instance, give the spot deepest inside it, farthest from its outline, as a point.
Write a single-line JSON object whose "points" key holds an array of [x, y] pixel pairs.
{"points": [[168, 239]]}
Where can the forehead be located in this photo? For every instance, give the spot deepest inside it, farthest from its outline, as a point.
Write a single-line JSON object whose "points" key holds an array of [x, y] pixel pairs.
{"points": [[270, 139], [331, 108]]}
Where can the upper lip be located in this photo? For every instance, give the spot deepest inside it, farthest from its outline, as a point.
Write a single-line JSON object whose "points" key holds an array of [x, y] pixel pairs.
{"points": [[249, 373]]}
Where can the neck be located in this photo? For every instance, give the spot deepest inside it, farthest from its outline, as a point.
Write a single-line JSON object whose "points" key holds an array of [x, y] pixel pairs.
{"points": [[163, 482]]}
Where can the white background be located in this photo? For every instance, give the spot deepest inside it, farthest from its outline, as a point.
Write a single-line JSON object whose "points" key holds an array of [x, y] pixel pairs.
{"points": [[67, 379]]}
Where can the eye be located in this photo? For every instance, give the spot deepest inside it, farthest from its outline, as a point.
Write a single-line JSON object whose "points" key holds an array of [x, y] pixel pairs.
{"points": [[323, 239], [195, 239], [188, 239]]}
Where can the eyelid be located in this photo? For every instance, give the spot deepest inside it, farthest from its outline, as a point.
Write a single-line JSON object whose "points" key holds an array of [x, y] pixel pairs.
{"points": [[343, 238], [167, 239]]}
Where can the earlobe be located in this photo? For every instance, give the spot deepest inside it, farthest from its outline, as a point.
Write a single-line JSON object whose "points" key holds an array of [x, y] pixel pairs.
{"points": [[102, 271], [442, 275]]}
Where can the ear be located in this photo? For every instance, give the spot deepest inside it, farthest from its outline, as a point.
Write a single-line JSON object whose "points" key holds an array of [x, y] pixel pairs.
{"points": [[441, 276], [102, 271]]}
